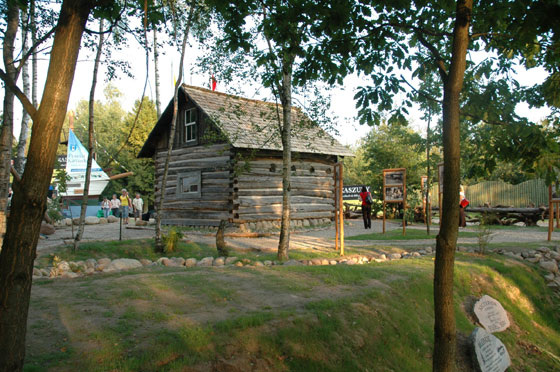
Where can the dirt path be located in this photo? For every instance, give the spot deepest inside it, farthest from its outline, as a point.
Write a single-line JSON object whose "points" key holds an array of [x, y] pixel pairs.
{"points": [[314, 240]]}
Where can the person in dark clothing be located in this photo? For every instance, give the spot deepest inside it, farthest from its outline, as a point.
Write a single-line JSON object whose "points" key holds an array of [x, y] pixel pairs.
{"points": [[366, 207]]}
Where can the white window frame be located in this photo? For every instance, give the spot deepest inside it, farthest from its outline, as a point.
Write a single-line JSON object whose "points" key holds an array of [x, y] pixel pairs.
{"points": [[189, 179], [189, 124]]}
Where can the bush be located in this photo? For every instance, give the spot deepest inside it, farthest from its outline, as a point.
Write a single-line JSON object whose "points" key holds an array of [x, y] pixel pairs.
{"points": [[171, 239]]}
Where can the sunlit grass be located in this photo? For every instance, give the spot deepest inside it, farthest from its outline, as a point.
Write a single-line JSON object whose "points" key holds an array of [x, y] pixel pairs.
{"points": [[376, 317]]}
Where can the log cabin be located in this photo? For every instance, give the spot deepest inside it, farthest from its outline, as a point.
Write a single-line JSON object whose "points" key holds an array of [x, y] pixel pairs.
{"points": [[226, 163]]}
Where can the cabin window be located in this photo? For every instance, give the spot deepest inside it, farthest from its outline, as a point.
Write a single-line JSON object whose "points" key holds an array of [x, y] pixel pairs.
{"points": [[190, 126], [189, 185]]}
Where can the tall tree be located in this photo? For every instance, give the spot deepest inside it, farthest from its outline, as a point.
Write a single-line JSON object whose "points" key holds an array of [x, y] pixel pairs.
{"points": [[29, 200], [24, 128], [301, 42], [403, 35], [6, 132], [159, 204], [91, 122], [156, 72]]}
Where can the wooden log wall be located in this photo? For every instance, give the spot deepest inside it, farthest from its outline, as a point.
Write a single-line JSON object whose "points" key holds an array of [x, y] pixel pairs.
{"points": [[257, 192], [215, 201]]}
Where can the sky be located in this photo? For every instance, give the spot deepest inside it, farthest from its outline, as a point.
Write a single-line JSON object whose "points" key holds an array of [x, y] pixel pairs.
{"points": [[342, 106]]}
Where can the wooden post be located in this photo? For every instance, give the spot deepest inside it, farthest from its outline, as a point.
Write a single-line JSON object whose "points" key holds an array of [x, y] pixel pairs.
{"points": [[341, 211], [404, 206], [557, 215], [383, 216], [336, 235], [550, 213]]}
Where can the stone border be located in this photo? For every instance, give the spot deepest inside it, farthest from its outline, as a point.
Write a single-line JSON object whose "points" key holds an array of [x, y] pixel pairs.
{"points": [[72, 269]]}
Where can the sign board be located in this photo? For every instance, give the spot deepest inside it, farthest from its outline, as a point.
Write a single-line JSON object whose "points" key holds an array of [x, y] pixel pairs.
{"points": [[61, 162], [394, 185], [352, 192], [394, 190]]}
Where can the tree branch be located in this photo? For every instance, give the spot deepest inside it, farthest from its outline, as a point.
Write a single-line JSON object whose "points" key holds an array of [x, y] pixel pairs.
{"points": [[31, 110], [32, 50], [435, 53]]}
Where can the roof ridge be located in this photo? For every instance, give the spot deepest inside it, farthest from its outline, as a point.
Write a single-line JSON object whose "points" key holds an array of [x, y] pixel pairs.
{"points": [[257, 101]]}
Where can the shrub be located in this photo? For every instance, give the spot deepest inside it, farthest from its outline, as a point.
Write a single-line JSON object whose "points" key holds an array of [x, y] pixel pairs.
{"points": [[171, 239]]}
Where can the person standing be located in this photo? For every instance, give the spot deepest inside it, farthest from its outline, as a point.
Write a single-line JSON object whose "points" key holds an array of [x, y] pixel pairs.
{"points": [[462, 217], [366, 207], [115, 205], [138, 205], [125, 205], [106, 207]]}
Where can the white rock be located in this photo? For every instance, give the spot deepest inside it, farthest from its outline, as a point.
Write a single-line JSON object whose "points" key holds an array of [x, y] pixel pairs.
{"points": [[178, 260], [230, 260], [219, 261], [190, 262], [37, 272], [490, 353], [91, 262], [491, 314], [160, 260], [92, 220], [206, 261], [123, 264], [63, 266], [68, 221], [333, 262], [103, 221], [169, 263], [551, 266], [104, 261], [267, 263], [112, 219], [292, 263], [395, 256]]}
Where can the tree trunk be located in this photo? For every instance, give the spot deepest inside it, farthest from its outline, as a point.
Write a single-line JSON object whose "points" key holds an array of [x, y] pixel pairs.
{"points": [[6, 134], [159, 206], [29, 200], [286, 99], [23, 134], [444, 328], [34, 56], [156, 73], [83, 209]]}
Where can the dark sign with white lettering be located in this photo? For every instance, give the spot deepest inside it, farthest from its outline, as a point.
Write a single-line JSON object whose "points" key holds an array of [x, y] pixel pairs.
{"points": [[352, 192]]}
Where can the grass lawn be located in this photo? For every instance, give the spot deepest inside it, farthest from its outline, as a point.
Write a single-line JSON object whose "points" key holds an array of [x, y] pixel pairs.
{"points": [[376, 317]]}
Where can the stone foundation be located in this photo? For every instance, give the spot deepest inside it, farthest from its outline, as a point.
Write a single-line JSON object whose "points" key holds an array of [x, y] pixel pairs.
{"points": [[260, 226]]}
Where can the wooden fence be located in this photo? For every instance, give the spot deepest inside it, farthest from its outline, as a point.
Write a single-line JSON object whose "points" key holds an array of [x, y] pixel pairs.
{"points": [[532, 192]]}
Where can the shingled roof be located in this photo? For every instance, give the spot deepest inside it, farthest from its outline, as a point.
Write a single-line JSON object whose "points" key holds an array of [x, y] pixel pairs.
{"points": [[252, 124]]}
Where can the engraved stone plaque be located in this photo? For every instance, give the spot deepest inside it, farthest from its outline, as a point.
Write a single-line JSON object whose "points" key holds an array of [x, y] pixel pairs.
{"points": [[490, 354], [491, 314]]}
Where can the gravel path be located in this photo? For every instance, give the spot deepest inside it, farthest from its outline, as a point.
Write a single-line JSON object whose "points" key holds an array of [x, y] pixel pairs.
{"points": [[319, 239]]}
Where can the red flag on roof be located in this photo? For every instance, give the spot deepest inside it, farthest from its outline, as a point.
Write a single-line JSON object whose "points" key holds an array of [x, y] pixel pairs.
{"points": [[213, 82]]}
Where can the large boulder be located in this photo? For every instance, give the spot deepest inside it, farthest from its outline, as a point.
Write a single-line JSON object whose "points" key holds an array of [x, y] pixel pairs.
{"points": [[141, 223], [123, 264], [206, 261], [551, 266], [92, 220], [47, 229], [112, 219], [190, 262]]}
